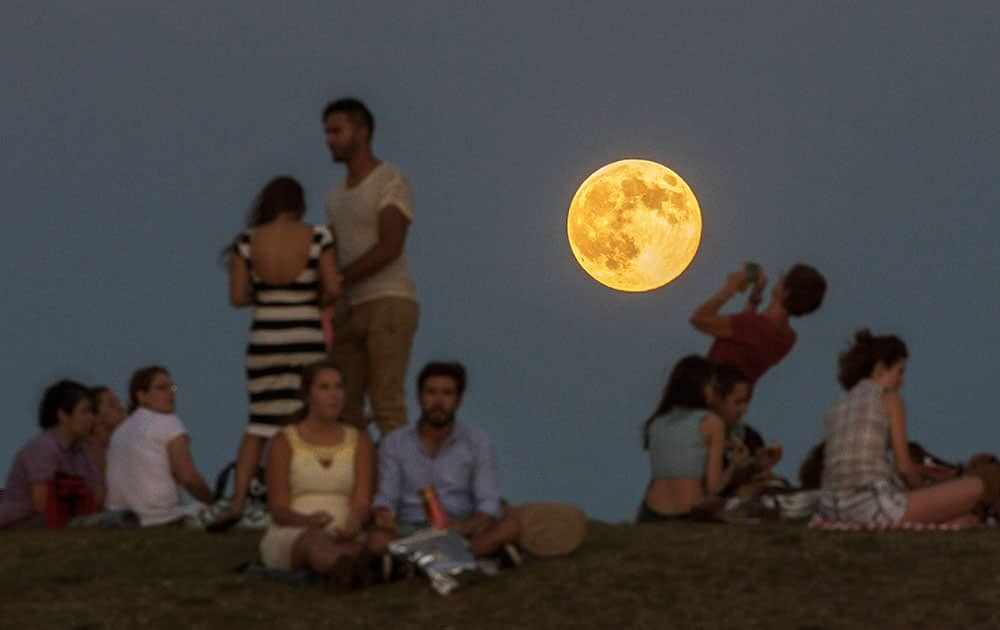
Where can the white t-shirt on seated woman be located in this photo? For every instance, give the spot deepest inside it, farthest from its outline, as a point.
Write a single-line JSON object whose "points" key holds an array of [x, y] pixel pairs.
{"points": [[138, 470]]}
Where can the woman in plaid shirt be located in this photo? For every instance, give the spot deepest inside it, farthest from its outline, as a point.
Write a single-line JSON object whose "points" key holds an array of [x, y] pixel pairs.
{"points": [[858, 477]]}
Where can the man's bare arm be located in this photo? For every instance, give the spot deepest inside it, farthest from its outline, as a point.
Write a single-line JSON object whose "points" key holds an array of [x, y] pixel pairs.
{"points": [[392, 226], [474, 523], [706, 317]]}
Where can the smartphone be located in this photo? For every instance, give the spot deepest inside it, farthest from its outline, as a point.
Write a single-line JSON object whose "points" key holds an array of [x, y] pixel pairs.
{"points": [[752, 270]]}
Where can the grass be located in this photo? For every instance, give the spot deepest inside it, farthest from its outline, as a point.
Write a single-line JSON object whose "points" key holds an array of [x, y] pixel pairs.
{"points": [[653, 576]]}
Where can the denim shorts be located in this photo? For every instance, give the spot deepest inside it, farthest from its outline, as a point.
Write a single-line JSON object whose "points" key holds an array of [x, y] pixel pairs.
{"points": [[649, 515]]}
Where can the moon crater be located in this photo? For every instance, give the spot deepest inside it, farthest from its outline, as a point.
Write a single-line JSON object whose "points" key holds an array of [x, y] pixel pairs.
{"points": [[634, 225]]}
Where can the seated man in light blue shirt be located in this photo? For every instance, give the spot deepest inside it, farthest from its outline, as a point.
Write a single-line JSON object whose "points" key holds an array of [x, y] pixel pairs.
{"points": [[454, 458]]}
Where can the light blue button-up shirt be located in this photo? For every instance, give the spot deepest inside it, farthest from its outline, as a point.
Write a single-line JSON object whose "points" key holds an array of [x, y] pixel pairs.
{"points": [[463, 473]]}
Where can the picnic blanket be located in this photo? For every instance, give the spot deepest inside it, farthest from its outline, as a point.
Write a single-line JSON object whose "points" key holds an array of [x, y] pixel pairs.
{"points": [[819, 522]]}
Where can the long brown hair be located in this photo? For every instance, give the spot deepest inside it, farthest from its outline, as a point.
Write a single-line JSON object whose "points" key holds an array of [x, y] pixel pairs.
{"points": [[686, 388], [141, 381], [867, 351], [281, 194]]}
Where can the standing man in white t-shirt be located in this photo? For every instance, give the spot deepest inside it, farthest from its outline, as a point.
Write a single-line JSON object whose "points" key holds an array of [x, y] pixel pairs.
{"points": [[369, 213]]}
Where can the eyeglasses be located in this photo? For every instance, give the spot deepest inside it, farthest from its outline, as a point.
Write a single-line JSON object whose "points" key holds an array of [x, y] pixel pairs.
{"points": [[165, 387]]}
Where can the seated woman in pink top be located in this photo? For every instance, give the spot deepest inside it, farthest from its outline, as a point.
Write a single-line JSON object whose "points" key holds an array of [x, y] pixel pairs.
{"points": [[66, 416]]}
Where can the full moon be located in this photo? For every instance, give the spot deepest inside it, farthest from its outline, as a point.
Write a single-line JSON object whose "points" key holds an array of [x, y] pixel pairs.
{"points": [[634, 225]]}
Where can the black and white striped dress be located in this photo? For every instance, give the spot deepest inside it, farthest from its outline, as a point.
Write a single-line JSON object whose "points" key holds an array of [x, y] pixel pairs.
{"points": [[286, 335]]}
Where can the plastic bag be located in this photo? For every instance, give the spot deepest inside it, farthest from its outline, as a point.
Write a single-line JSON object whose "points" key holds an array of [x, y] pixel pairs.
{"points": [[442, 555]]}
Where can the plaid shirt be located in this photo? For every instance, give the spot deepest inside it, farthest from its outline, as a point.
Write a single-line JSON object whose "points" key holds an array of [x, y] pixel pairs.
{"points": [[857, 439]]}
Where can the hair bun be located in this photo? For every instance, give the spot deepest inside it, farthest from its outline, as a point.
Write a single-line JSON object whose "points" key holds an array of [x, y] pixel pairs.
{"points": [[863, 336]]}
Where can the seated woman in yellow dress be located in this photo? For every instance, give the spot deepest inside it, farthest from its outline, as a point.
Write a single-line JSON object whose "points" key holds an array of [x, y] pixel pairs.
{"points": [[319, 486]]}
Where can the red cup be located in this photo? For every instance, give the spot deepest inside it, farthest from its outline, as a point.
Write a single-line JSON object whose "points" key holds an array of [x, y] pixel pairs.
{"points": [[65, 498], [432, 508]]}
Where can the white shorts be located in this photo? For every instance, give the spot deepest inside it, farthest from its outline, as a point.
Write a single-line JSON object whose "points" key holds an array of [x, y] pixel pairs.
{"points": [[880, 501]]}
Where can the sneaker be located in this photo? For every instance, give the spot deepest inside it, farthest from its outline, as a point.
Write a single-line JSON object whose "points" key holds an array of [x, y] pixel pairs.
{"points": [[211, 513], [750, 510], [255, 516], [223, 524], [510, 557]]}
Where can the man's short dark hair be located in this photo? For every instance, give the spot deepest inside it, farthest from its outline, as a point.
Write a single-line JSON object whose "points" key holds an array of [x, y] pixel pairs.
{"points": [[359, 114], [63, 396], [805, 290], [452, 369]]}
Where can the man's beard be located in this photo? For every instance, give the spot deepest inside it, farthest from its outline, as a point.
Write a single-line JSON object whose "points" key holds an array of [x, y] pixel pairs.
{"points": [[345, 155], [437, 418]]}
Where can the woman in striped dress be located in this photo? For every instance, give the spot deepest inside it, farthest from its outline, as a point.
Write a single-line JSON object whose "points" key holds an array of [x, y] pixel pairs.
{"points": [[286, 270]]}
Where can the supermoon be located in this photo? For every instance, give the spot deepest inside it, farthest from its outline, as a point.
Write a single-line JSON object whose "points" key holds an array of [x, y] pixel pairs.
{"points": [[634, 225]]}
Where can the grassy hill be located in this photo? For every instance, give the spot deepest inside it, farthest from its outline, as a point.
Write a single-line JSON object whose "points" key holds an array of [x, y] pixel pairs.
{"points": [[655, 576]]}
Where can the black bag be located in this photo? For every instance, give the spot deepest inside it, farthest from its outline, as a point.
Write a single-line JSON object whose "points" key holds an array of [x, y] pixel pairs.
{"points": [[257, 492]]}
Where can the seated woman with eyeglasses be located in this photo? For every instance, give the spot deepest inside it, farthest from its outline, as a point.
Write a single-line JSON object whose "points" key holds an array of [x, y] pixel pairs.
{"points": [[149, 455], [66, 415]]}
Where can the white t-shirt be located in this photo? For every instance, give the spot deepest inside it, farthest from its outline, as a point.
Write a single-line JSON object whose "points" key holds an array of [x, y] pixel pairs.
{"points": [[352, 214], [138, 468]]}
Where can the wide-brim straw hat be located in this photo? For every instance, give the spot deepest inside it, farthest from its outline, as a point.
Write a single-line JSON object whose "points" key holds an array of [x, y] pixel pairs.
{"points": [[550, 529]]}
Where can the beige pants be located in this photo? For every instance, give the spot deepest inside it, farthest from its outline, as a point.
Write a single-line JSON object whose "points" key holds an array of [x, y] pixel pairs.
{"points": [[372, 347]]}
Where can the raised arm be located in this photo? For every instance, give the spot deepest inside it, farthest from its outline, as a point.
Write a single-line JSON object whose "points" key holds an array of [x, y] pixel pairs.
{"points": [[183, 469], [756, 293], [706, 317], [896, 411], [392, 227]]}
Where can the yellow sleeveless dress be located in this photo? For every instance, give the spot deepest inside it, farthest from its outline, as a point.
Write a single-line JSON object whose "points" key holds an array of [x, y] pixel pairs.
{"points": [[314, 487]]}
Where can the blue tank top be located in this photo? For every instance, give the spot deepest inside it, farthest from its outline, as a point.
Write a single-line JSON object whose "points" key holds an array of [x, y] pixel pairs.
{"points": [[676, 448]]}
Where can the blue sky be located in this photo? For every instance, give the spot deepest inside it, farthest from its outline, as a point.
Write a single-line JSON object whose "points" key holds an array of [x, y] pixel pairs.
{"points": [[859, 138]]}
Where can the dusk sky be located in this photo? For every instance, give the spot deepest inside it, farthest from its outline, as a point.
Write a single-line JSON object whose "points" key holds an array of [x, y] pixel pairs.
{"points": [[861, 138]]}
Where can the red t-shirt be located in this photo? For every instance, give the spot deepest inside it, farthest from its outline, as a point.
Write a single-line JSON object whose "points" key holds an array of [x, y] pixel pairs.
{"points": [[755, 346]]}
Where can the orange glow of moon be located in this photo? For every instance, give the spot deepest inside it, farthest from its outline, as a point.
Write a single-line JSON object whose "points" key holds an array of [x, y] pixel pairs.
{"points": [[634, 225]]}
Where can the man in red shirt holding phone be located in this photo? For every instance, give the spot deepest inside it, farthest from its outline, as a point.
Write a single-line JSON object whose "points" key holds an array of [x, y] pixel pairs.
{"points": [[754, 341]]}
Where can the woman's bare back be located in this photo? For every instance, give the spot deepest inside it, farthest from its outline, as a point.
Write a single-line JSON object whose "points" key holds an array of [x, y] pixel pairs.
{"points": [[279, 251]]}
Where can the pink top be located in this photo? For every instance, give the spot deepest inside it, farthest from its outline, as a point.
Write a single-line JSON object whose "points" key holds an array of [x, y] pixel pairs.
{"points": [[37, 462]]}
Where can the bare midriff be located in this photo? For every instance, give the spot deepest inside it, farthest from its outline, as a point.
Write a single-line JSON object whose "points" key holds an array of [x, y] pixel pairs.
{"points": [[674, 496]]}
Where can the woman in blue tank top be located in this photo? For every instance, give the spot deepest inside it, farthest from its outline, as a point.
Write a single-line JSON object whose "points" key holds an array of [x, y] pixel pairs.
{"points": [[686, 444]]}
